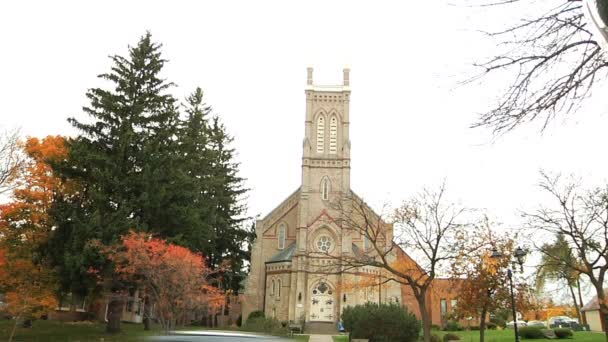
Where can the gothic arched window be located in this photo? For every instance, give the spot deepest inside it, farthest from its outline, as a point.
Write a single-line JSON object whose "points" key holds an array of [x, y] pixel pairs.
{"points": [[320, 134], [325, 188], [279, 288], [333, 135], [366, 242], [281, 236], [272, 289]]}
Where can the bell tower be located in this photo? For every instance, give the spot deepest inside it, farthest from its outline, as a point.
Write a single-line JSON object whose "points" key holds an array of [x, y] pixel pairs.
{"points": [[326, 151], [326, 147]]}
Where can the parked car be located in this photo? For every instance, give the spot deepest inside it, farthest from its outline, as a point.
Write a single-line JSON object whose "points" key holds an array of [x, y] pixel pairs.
{"points": [[538, 324], [519, 324], [563, 322]]}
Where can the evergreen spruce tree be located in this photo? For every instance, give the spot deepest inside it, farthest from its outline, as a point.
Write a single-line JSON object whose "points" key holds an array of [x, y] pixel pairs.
{"points": [[226, 194], [210, 162], [123, 159], [140, 165]]}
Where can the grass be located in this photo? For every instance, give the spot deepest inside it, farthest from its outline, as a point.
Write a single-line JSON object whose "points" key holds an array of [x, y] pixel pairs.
{"points": [[507, 335], [72, 332], [86, 331], [502, 336]]}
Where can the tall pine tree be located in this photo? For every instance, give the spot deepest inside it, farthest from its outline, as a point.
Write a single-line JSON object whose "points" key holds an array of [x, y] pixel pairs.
{"points": [[123, 158], [209, 161], [141, 164]]}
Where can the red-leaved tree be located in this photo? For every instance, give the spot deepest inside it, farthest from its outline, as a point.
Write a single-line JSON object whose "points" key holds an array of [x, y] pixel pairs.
{"points": [[174, 278]]}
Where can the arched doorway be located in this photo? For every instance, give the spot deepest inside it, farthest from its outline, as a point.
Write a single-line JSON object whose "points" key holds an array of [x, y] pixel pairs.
{"points": [[322, 303]]}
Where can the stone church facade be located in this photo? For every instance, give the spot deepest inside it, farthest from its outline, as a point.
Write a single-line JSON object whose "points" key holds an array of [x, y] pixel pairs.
{"points": [[300, 240]]}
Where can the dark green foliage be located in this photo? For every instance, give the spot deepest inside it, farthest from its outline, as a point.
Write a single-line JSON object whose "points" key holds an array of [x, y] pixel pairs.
{"points": [[435, 327], [450, 337], [530, 332], [474, 327], [385, 322], [256, 314], [452, 326], [266, 325], [498, 322], [116, 159], [144, 163], [491, 326], [563, 333], [435, 338]]}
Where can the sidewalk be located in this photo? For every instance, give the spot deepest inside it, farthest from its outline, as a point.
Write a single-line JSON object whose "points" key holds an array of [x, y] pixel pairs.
{"points": [[320, 338]]}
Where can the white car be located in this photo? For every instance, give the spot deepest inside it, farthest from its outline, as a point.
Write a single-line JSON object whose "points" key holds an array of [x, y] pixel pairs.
{"points": [[519, 324]]}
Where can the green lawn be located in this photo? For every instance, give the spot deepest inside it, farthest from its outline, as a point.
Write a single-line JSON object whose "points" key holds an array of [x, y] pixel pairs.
{"points": [[507, 335], [503, 336], [83, 332], [80, 331]]}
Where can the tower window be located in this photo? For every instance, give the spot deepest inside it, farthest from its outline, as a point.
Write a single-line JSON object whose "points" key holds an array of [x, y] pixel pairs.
{"points": [[281, 236], [320, 134], [279, 288], [272, 289], [366, 242], [325, 188], [333, 135]]}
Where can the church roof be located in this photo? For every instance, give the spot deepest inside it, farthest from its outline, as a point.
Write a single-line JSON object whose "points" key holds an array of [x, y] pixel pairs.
{"points": [[284, 255], [360, 255]]}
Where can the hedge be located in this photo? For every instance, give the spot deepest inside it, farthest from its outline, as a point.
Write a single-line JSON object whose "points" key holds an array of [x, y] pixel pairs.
{"points": [[381, 323], [531, 332]]}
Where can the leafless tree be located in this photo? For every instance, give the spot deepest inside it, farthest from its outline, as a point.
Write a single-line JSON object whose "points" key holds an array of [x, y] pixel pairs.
{"points": [[428, 235], [581, 217], [553, 59], [11, 159]]}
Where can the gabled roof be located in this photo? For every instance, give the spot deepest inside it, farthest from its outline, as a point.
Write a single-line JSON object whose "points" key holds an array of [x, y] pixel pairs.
{"points": [[284, 255], [593, 304]]}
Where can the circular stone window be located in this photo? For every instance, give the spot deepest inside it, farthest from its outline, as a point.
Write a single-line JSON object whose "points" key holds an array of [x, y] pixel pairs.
{"points": [[324, 243]]}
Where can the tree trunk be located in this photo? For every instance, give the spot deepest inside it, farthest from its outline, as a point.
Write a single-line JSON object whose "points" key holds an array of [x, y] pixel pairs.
{"points": [[576, 305], [580, 300], [482, 324], [114, 315], [147, 313], [10, 338], [424, 315]]}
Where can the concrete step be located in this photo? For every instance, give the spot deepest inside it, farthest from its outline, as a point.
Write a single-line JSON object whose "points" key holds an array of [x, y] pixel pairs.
{"points": [[320, 328]]}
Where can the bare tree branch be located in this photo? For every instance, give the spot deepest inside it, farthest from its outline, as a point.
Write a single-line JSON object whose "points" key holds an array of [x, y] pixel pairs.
{"points": [[554, 61]]}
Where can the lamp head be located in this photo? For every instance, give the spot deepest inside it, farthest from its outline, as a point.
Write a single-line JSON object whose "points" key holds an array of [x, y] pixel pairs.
{"points": [[496, 253], [520, 255]]}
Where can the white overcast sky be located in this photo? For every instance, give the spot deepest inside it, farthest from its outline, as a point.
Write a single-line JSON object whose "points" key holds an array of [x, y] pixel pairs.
{"points": [[409, 119]]}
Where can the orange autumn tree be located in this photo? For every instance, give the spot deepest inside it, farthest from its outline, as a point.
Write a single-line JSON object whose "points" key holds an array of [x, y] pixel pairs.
{"points": [[26, 278], [175, 278], [483, 279]]}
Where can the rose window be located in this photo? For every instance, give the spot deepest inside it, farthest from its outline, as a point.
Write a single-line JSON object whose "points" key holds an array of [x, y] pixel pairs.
{"points": [[324, 244]]}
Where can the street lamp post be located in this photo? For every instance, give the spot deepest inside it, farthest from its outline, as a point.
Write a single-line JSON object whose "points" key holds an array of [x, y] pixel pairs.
{"points": [[520, 256]]}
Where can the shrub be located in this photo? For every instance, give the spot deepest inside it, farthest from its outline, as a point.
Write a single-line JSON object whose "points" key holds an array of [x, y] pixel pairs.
{"points": [[256, 314], [452, 326], [474, 327], [531, 332], [450, 337], [435, 338], [491, 326], [239, 321], [265, 325], [435, 327], [563, 333], [380, 323], [499, 322]]}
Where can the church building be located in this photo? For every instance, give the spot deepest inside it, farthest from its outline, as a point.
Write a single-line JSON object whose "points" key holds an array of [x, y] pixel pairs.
{"points": [[296, 262]]}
